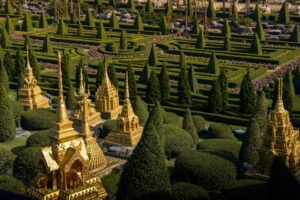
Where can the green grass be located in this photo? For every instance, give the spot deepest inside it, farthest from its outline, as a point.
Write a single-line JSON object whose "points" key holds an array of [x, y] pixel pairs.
{"points": [[15, 145], [110, 182]]}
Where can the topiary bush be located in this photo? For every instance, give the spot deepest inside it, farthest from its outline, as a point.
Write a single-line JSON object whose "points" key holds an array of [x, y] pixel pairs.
{"points": [[9, 183], [37, 119], [17, 109], [108, 126], [204, 169], [220, 131], [6, 160], [39, 139], [172, 118], [199, 122], [187, 191], [175, 139]]}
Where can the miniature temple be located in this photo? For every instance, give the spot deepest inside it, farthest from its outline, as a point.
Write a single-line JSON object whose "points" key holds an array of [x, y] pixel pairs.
{"points": [[69, 165], [107, 99], [82, 100], [30, 94], [128, 132], [280, 138]]}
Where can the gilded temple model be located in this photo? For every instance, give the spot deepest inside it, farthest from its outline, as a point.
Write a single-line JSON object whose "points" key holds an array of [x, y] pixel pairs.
{"points": [[71, 164], [30, 94], [128, 132]]}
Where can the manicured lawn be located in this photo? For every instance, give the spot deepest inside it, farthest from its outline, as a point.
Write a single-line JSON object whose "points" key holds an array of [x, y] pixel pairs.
{"points": [[15, 145]]}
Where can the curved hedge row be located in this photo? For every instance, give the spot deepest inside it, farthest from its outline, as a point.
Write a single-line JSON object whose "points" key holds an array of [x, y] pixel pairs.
{"points": [[38, 119]]}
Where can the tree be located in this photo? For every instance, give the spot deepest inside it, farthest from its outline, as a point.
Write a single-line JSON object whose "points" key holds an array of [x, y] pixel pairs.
{"points": [[34, 65], [247, 95], [9, 26], [227, 43], [140, 108], [251, 142], [113, 3], [47, 46], [257, 13], [164, 83], [80, 30], [213, 65], [3, 76], [223, 83], [193, 81], [196, 28], [8, 9], [164, 26], [27, 42], [259, 30], [226, 30], [153, 89], [260, 113], [189, 126], [114, 21], [43, 21], [112, 75], [56, 8], [7, 121], [66, 69], [101, 34], [20, 9], [184, 94], [19, 63], [149, 6], [145, 175], [235, 13], [100, 73], [189, 8], [62, 29], [9, 65], [5, 39], [27, 23], [200, 43], [70, 99], [138, 23], [131, 5], [152, 60], [123, 40], [133, 92], [211, 10], [74, 17], [89, 20], [145, 75], [288, 93], [296, 34], [284, 16], [256, 46], [215, 98], [296, 80]]}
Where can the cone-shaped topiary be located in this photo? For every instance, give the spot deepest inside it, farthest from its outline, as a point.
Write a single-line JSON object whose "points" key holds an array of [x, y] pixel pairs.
{"points": [[259, 30], [99, 75], [164, 83], [189, 126], [164, 27], [152, 60], [8, 9], [74, 17], [153, 89], [62, 29], [196, 28], [9, 65], [184, 93], [257, 13], [227, 43], [261, 112], [89, 20], [296, 34], [27, 23], [140, 108], [189, 8], [226, 28], [215, 98], [34, 65], [288, 93], [182, 61], [284, 16], [47, 46], [133, 93], [66, 69], [7, 121], [235, 13], [3, 76], [247, 95], [200, 43], [223, 83], [256, 46], [70, 99], [114, 21], [10, 27], [113, 3], [43, 21], [5, 39], [80, 30], [193, 79], [27, 42], [20, 9], [123, 40], [211, 10], [112, 75], [138, 23], [131, 5], [213, 65], [149, 6], [19, 63], [145, 75], [101, 34]]}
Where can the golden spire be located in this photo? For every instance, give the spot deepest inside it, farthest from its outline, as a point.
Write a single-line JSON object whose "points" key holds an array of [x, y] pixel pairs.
{"points": [[27, 57], [279, 104], [106, 79], [81, 90], [127, 108], [85, 127]]}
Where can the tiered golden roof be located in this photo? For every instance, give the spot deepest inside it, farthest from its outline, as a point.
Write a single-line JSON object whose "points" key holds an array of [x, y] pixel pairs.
{"points": [[107, 99], [82, 98], [30, 94], [280, 138], [128, 132], [67, 162]]}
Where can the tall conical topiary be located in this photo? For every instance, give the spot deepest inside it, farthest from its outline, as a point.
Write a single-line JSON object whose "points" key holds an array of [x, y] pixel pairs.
{"points": [[27, 23], [152, 60], [34, 65], [296, 80], [131, 5], [3, 76], [70, 98], [7, 121], [260, 113], [8, 9], [223, 83], [140, 108], [145, 75], [80, 30], [284, 16], [211, 10], [149, 6], [296, 34], [251, 142], [5, 39], [193, 81], [227, 43], [288, 93], [62, 29], [215, 98], [256, 46], [153, 89], [27, 42], [10, 27], [257, 13], [133, 92], [145, 175], [47, 46], [66, 68], [226, 30], [113, 3], [138, 23], [20, 9], [89, 20], [196, 28], [19, 64], [164, 27], [123, 40], [182, 61], [99, 75], [114, 21], [247, 95], [235, 13], [101, 33], [43, 21], [9, 65], [74, 18], [184, 93], [200, 43], [112, 75], [164, 83], [189, 126], [213, 65], [259, 30]]}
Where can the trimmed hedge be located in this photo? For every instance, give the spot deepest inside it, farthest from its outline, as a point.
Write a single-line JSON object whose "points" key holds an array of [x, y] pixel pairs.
{"points": [[220, 131], [108, 126], [172, 118], [199, 122], [39, 139], [187, 191], [6, 160], [38, 119], [17, 109], [10, 184]]}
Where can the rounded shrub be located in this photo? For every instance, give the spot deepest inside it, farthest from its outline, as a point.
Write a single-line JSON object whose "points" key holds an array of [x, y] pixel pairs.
{"points": [[108, 126], [204, 169], [187, 191], [9, 183], [175, 139], [6, 160], [17, 109], [39, 139], [231, 147], [25, 166], [37, 119], [220, 131], [172, 118], [199, 122]]}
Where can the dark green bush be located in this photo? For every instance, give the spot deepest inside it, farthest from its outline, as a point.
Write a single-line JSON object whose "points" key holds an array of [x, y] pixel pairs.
{"points": [[175, 139], [37, 119], [6, 160], [39, 139], [9, 183], [17, 109], [187, 191], [199, 122], [172, 118], [220, 131], [204, 169], [108, 126]]}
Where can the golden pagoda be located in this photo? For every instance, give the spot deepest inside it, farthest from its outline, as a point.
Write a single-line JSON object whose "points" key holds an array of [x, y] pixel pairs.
{"points": [[30, 94], [280, 138], [65, 165], [107, 99], [82, 98], [128, 132]]}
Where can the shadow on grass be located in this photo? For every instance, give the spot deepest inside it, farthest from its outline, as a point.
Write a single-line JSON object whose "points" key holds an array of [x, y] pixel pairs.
{"points": [[16, 150]]}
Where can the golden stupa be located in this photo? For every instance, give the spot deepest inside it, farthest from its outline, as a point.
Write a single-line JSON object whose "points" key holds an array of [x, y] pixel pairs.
{"points": [[280, 138], [128, 132], [30, 94], [107, 99], [82, 100], [68, 165]]}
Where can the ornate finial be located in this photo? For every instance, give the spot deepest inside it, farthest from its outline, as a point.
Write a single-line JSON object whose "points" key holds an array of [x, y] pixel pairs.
{"points": [[81, 84], [60, 82], [27, 57], [279, 103], [126, 86], [85, 127]]}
